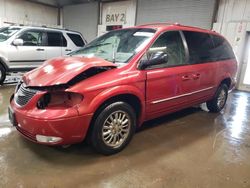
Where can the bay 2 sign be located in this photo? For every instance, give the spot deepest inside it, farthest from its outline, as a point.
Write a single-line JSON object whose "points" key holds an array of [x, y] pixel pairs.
{"points": [[116, 18], [116, 15]]}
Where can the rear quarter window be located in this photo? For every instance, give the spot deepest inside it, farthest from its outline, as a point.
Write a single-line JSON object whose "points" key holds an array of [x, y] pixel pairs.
{"points": [[204, 47], [222, 49], [76, 39]]}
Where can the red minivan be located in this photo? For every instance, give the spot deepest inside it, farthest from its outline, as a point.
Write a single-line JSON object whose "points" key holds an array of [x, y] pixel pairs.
{"points": [[105, 90]]}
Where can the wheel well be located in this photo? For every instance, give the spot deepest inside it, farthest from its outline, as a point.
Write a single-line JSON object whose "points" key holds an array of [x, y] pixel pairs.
{"points": [[131, 99], [3, 64], [226, 81]]}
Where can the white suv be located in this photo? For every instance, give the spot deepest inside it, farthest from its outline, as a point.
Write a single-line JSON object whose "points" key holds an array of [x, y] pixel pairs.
{"points": [[24, 48]]}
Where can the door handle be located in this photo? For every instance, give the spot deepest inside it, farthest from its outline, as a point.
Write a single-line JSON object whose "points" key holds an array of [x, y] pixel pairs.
{"points": [[185, 77], [39, 49], [68, 50], [196, 76]]}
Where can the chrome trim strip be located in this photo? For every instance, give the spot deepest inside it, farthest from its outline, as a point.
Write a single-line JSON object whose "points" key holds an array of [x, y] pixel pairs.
{"points": [[183, 95]]}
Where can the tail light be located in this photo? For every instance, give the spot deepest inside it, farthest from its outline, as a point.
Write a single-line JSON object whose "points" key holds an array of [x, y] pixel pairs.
{"points": [[59, 99]]}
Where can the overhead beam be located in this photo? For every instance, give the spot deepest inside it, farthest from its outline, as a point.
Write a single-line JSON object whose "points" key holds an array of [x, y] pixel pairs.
{"points": [[51, 3]]}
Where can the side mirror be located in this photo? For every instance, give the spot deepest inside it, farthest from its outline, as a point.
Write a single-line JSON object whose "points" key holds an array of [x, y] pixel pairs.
{"points": [[18, 42], [156, 59]]}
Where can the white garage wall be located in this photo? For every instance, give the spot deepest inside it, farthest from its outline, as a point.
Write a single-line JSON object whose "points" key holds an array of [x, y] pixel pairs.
{"points": [[24, 12], [233, 21], [188, 12], [82, 18]]}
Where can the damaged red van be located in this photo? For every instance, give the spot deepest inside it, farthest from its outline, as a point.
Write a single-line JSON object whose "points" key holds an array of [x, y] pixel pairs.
{"points": [[105, 90]]}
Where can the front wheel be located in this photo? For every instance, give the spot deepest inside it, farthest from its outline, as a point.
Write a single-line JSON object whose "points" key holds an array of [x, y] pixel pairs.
{"points": [[219, 100], [2, 74], [113, 128]]}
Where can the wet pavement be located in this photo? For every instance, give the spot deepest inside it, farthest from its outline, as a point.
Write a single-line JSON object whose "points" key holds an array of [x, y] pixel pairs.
{"points": [[191, 148]]}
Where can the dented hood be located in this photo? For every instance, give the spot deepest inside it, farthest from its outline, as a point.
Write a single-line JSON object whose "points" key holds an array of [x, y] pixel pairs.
{"points": [[61, 70]]}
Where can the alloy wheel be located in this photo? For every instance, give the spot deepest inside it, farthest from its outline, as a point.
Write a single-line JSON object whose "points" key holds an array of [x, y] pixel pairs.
{"points": [[221, 98], [116, 129]]}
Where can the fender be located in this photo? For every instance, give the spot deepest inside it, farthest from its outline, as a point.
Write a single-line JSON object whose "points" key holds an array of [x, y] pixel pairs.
{"points": [[119, 90]]}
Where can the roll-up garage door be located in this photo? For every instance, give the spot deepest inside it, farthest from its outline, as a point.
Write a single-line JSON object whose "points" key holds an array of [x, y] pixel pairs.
{"points": [[187, 12]]}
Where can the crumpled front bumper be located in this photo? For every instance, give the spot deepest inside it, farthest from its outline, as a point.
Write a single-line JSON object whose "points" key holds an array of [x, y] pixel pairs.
{"points": [[65, 124]]}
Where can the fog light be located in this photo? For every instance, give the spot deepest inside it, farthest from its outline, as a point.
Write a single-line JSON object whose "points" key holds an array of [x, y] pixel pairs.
{"points": [[47, 139]]}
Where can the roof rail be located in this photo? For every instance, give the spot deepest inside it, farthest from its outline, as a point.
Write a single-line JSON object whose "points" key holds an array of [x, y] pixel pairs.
{"points": [[160, 23]]}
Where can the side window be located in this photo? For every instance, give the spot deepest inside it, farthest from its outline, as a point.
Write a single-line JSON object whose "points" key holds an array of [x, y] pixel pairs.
{"points": [[76, 39], [55, 39], [32, 38], [200, 46], [222, 49], [170, 43]]}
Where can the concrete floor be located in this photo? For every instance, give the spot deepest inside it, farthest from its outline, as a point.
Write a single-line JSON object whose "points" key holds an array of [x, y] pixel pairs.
{"points": [[191, 148]]}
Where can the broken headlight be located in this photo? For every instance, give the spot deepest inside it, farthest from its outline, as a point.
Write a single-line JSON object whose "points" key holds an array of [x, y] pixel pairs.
{"points": [[60, 99]]}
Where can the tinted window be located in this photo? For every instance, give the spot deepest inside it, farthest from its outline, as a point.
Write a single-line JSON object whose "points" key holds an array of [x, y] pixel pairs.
{"points": [[222, 49], [77, 39], [170, 43], [200, 47], [207, 48], [54, 39], [32, 38]]}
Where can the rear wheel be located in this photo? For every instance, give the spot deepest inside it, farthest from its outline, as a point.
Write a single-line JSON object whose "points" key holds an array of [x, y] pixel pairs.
{"points": [[113, 128], [2, 74], [219, 100]]}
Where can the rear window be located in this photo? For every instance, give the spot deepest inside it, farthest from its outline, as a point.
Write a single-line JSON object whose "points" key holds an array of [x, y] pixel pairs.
{"points": [[207, 48], [76, 39]]}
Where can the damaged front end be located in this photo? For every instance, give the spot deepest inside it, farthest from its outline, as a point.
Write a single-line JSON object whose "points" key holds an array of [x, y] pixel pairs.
{"points": [[56, 96]]}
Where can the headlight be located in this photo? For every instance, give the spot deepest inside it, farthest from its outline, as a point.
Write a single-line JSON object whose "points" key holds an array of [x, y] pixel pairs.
{"points": [[60, 99]]}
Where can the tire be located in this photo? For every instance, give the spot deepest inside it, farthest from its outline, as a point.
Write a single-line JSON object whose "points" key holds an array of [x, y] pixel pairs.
{"points": [[219, 100], [111, 136], [2, 74]]}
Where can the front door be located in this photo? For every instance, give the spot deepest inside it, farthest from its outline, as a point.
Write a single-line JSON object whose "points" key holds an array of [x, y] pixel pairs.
{"points": [[31, 54], [167, 84]]}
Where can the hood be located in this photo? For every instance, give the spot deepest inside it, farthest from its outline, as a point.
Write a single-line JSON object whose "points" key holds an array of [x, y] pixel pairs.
{"points": [[61, 70]]}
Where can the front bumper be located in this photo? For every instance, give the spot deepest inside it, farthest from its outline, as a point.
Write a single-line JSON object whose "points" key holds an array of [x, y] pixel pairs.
{"points": [[69, 129]]}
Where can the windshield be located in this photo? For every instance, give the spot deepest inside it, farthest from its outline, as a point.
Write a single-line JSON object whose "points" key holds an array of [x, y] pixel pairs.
{"points": [[7, 32], [117, 46]]}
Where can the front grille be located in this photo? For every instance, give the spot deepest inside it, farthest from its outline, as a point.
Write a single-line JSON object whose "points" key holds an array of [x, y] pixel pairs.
{"points": [[23, 95]]}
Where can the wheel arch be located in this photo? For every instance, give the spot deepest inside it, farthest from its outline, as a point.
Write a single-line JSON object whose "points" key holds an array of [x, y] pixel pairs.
{"points": [[227, 81], [130, 95], [2, 62]]}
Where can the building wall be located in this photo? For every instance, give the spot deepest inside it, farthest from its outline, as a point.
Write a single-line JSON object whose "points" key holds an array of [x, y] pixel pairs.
{"points": [[233, 21], [188, 12], [28, 13], [82, 18]]}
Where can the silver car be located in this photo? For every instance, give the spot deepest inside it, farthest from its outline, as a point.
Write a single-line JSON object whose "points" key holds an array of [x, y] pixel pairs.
{"points": [[23, 48]]}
